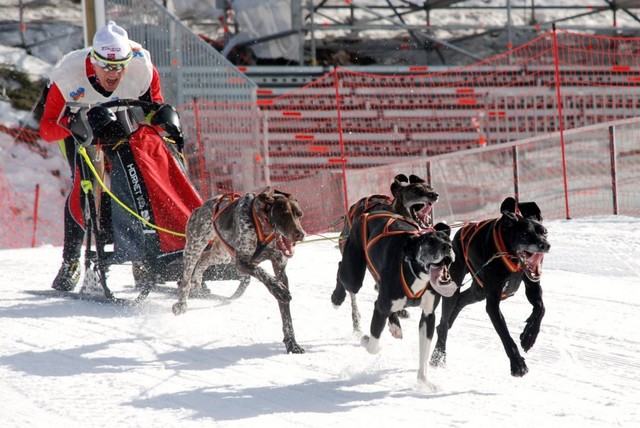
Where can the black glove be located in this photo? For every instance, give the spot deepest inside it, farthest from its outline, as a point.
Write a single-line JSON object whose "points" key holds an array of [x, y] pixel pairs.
{"points": [[105, 125], [151, 107], [167, 118], [99, 117], [78, 128]]}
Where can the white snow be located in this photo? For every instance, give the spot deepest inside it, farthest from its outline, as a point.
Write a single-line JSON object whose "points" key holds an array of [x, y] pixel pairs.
{"points": [[77, 364]]}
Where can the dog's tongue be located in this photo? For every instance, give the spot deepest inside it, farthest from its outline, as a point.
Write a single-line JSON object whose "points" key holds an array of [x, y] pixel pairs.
{"points": [[445, 289], [534, 263], [284, 245], [424, 212]]}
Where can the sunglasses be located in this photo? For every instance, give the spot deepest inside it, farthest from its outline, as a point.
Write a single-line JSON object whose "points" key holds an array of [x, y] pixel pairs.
{"points": [[109, 65]]}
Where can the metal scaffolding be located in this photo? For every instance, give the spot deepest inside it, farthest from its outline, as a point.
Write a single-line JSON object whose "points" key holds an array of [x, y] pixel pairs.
{"points": [[420, 21]]}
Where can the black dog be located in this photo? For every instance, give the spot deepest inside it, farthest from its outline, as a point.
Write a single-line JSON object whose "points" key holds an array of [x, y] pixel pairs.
{"points": [[410, 266], [499, 254], [412, 199]]}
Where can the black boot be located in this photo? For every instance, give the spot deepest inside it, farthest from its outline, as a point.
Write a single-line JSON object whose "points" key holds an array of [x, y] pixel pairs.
{"points": [[68, 276]]}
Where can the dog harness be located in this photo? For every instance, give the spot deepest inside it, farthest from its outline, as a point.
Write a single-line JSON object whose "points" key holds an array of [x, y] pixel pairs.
{"points": [[260, 223], [367, 244], [370, 203], [467, 235]]}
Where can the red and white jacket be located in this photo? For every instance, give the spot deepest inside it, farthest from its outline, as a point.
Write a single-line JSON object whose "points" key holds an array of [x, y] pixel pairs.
{"points": [[70, 82]]}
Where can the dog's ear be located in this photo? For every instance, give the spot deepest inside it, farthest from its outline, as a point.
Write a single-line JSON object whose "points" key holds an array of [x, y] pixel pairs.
{"points": [[415, 179], [399, 181], [401, 178], [530, 210], [443, 227], [411, 243], [508, 206], [511, 217], [266, 195], [285, 194]]}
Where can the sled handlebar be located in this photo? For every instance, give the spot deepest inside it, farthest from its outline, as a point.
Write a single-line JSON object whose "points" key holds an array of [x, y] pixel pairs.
{"points": [[79, 106], [110, 121]]}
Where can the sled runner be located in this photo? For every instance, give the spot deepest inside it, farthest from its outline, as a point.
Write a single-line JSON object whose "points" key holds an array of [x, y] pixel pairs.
{"points": [[148, 199]]}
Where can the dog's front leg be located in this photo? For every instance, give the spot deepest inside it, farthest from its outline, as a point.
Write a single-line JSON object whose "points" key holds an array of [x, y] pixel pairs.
{"points": [[451, 307], [518, 366], [426, 329], [278, 290], [287, 329], [532, 328], [285, 311]]}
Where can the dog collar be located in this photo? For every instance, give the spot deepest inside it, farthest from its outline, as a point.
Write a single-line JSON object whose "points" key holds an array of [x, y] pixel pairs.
{"points": [[260, 222], [407, 290], [263, 240]]}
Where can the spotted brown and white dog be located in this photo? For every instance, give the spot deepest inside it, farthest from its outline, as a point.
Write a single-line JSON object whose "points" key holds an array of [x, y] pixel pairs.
{"points": [[412, 199], [499, 254], [246, 230], [410, 266]]}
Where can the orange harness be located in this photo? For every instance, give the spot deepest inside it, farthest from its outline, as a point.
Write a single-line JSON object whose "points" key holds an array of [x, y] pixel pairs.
{"points": [[370, 202], [260, 224], [368, 244], [469, 232]]}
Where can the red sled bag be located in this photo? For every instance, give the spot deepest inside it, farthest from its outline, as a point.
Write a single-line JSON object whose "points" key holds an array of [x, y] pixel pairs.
{"points": [[148, 178]]}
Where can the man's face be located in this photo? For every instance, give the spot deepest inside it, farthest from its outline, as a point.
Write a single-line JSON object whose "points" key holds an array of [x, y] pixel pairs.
{"points": [[109, 77]]}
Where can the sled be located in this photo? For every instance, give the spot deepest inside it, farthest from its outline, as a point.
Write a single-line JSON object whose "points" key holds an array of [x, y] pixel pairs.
{"points": [[149, 197]]}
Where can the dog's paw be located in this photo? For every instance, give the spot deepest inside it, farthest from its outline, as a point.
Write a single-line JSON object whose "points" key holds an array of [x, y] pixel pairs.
{"points": [[527, 340], [338, 296], [518, 367], [425, 385], [438, 358], [294, 348], [371, 344], [179, 308], [529, 334], [395, 330], [281, 294]]}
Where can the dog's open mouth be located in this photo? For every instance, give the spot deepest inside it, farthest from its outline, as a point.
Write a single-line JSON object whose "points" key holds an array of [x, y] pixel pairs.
{"points": [[531, 264], [421, 212], [440, 279], [286, 246]]}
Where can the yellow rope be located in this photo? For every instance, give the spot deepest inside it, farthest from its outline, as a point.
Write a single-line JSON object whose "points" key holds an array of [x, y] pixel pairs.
{"points": [[83, 152]]}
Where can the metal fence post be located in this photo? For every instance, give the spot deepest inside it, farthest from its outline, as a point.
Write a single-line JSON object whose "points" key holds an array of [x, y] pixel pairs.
{"points": [[343, 158], [201, 169], [614, 168], [516, 174], [556, 61]]}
